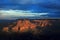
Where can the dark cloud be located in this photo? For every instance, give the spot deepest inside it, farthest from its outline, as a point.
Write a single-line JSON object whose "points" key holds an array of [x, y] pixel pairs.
{"points": [[50, 6]]}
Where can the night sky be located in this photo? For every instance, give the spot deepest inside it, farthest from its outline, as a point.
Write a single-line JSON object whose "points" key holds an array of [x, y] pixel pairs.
{"points": [[13, 9]]}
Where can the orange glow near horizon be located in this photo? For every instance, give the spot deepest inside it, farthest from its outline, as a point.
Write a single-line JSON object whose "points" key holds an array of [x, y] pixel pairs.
{"points": [[5, 29], [25, 25]]}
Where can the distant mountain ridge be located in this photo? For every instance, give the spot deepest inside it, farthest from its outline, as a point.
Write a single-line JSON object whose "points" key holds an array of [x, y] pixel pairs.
{"points": [[35, 26]]}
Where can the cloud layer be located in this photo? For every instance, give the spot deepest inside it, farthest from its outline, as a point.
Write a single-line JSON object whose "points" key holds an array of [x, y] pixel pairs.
{"points": [[30, 1], [39, 6], [29, 7], [13, 14]]}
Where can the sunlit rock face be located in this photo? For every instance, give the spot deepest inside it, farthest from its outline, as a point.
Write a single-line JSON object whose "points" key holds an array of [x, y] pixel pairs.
{"points": [[34, 26], [25, 25]]}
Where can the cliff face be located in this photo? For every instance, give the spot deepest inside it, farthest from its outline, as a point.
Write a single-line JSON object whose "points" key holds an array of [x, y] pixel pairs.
{"points": [[36, 26]]}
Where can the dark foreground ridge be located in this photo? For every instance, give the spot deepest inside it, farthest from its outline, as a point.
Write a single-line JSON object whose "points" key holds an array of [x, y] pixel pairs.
{"points": [[29, 36]]}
